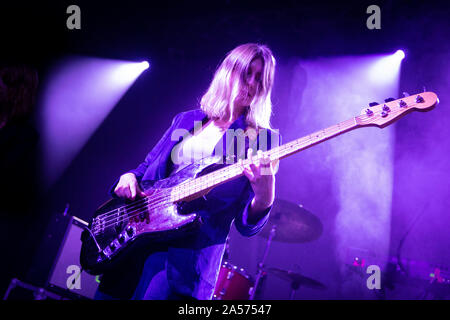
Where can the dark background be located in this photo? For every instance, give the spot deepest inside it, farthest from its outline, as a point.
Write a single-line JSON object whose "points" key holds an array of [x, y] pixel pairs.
{"points": [[185, 41]]}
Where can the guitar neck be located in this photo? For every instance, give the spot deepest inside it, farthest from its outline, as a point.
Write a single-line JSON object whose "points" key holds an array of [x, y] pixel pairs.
{"points": [[306, 142], [197, 187]]}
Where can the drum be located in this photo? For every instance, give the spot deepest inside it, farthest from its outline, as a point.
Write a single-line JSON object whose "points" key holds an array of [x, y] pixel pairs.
{"points": [[232, 284]]}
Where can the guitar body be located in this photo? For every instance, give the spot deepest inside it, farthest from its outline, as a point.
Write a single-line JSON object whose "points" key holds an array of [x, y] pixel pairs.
{"points": [[121, 227]]}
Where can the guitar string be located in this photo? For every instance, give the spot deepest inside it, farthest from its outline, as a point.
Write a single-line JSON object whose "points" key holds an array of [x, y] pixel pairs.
{"points": [[152, 198], [155, 196], [138, 211], [147, 206], [201, 185], [135, 213], [125, 217], [306, 140], [157, 193]]}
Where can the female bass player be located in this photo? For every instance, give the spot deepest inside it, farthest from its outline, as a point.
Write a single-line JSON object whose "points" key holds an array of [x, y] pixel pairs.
{"points": [[238, 101]]}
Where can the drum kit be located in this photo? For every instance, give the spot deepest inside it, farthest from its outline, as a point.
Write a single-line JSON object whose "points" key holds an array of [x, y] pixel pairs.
{"points": [[289, 223]]}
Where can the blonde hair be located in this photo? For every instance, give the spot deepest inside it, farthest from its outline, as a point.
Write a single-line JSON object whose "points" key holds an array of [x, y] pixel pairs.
{"points": [[229, 79]]}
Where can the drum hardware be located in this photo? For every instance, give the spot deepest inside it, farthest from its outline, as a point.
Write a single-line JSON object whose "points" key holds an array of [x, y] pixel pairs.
{"points": [[261, 264], [226, 253], [288, 222], [297, 280]]}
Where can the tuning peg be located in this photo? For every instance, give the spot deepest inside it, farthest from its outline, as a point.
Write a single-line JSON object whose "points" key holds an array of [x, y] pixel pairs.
{"points": [[405, 94], [402, 104], [372, 104], [389, 100]]}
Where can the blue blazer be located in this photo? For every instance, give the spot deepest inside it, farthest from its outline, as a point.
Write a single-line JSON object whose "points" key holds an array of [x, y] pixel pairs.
{"points": [[192, 269]]}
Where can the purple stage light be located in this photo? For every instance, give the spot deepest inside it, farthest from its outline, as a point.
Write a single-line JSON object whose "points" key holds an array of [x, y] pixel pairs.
{"points": [[386, 70], [80, 94], [358, 167], [128, 72], [399, 54]]}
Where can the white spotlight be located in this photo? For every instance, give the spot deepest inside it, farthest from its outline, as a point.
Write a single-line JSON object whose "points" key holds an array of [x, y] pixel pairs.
{"points": [[399, 54], [386, 70], [145, 65]]}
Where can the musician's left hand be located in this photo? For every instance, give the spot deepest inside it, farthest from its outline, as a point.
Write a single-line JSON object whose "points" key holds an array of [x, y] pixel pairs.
{"points": [[261, 173]]}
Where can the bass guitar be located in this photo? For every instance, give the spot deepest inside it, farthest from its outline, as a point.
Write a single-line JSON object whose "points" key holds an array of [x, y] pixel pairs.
{"points": [[118, 225]]}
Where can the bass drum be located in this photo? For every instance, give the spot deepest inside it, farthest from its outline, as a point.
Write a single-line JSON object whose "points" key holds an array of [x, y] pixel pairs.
{"points": [[232, 284]]}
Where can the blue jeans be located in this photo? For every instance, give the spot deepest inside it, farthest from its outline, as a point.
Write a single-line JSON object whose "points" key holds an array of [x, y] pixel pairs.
{"points": [[153, 283]]}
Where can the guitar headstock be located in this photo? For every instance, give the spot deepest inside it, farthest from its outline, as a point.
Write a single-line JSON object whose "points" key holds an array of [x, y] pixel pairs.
{"points": [[384, 114]]}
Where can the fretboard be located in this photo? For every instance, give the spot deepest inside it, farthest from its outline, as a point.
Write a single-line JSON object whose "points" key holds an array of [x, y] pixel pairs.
{"points": [[198, 186]]}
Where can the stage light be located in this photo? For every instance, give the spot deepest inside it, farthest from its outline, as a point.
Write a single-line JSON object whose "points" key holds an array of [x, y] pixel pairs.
{"points": [[129, 71], [385, 71], [80, 94], [325, 91], [145, 65], [399, 54]]}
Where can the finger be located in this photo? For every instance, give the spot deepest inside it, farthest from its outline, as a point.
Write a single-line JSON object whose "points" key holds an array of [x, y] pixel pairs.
{"points": [[249, 174], [266, 168], [241, 164], [250, 155], [133, 191], [127, 192], [120, 187], [117, 191], [255, 170], [141, 193], [260, 155]]}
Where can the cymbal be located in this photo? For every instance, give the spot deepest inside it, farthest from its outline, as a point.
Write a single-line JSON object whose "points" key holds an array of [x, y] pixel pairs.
{"points": [[292, 223], [297, 278]]}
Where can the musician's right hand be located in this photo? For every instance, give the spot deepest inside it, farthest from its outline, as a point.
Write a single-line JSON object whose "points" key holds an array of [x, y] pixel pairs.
{"points": [[128, 187]]}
